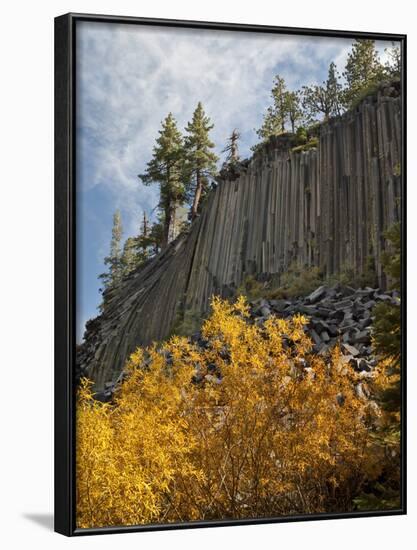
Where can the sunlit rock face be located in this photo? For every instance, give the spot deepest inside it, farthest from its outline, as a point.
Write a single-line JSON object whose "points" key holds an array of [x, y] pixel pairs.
{"points": [[326, 207]]}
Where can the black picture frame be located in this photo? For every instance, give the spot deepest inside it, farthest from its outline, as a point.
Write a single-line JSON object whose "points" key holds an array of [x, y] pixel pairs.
{"points": [[65, 281]]}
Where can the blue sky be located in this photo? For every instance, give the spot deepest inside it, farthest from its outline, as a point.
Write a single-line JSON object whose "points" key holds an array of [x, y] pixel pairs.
{"points": [[129, 77]]}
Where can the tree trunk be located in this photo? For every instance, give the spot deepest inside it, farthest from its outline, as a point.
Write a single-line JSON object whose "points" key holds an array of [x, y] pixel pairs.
{"points": [[197, 195], [171, 234], [167, 225]]}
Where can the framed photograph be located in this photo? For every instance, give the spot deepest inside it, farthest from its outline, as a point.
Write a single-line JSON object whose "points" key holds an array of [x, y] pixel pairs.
{"points": [[230, 274]]}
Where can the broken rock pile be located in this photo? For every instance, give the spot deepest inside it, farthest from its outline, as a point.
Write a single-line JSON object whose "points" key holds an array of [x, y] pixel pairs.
{"points": [[338, 314]]}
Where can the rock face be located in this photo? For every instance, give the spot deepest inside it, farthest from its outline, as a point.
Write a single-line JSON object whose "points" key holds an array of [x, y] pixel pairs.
{"points": [[325, 207], [338, 315]]}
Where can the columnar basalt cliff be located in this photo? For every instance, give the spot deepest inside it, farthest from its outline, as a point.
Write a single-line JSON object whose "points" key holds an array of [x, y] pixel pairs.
{"points": [[326, 207]]}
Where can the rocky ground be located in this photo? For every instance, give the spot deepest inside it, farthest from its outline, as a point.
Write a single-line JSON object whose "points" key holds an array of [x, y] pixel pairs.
{"points": [[338, 314]]}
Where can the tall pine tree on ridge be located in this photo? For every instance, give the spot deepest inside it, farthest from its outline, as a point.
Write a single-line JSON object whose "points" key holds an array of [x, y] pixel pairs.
{"points": [[363, 69], [167, 168], [114, 260], [324, 99], [201, 160]]}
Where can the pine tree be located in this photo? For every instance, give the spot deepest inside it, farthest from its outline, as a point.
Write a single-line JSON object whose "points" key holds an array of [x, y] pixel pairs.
{"points": [[156, 234], [293, 109], [143, 241], [363, 70], [277, 114], [387, 323], [114, 260], [232, 148], [325, 99], [386, 336], [334, 90], [271, 125], [201, 160], [167, 169], [393, 65], [145, 225], [279, 95], [130, 256]]}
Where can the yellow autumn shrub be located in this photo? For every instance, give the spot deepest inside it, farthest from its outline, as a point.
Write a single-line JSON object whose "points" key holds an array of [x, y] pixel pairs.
{"points": [[128, 454], [253, 424]]}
